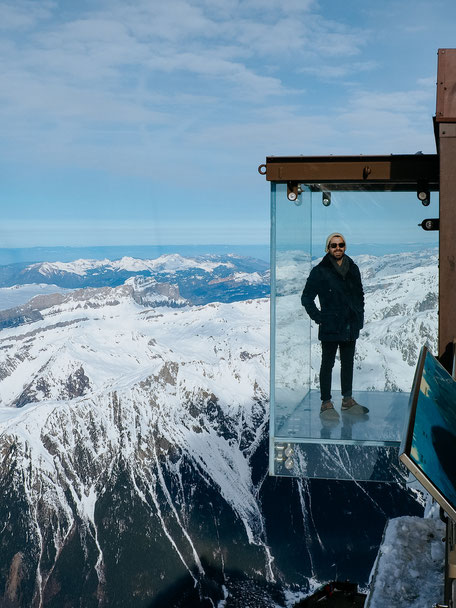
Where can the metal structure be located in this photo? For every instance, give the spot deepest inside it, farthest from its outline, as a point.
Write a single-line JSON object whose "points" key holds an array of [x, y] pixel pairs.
{"points": [[328, 189], [396, 172], [446, 147]]}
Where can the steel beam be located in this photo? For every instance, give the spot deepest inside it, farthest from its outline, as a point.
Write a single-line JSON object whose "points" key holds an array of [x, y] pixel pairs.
{"points": [[393, 172]]}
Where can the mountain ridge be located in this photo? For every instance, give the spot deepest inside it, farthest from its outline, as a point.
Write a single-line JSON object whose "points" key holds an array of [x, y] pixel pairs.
{"points": [[200, 280]]}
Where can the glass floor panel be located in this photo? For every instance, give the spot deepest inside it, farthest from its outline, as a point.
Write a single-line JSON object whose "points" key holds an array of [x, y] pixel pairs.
{"points": [[354, 447], [300, 421]]}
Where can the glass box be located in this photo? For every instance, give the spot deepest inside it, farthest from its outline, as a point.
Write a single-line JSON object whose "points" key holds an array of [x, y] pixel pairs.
{"points": [[398, 261]]}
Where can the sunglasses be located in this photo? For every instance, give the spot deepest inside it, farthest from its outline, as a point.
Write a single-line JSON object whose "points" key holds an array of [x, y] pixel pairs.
{"points": [[334, 245]]}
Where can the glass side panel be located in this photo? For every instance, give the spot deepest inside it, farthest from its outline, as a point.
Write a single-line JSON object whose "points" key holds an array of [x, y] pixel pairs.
{"points": [[290, 326], [398, 261]]}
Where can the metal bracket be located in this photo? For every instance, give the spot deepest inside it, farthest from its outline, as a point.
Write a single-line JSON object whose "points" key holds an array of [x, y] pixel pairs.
{"points": [[447, 129], [452, 564], [430, 224], [292, 191]]}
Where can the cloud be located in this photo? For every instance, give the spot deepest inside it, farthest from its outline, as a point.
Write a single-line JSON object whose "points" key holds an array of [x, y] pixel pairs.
{"points": [[405, 102], [326, 71], [138, 88], [23, 15], [392, 122], [427, 83]]}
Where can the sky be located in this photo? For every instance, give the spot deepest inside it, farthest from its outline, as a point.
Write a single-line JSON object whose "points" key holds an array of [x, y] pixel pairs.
{"points": [[144, 122]]}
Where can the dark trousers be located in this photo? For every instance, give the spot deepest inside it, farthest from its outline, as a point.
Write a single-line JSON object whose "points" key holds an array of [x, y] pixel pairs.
{"points": [[328, 356]]}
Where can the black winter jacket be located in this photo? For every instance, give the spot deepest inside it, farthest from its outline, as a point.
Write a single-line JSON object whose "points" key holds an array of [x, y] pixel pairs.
{"points": [[341, 313]]}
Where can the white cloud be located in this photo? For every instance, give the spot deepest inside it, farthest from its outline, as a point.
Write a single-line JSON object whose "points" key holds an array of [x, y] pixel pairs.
{"points": [[428, 83], [326, 71], [211, 86], [22, 14], [406, 102]]}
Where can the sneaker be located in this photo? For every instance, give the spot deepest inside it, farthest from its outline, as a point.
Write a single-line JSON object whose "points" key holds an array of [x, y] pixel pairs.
{"points": [[327, 411], [350, 406]]}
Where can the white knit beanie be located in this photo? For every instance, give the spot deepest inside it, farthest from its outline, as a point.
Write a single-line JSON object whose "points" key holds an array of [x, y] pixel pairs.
{"points": [[328, 240]]}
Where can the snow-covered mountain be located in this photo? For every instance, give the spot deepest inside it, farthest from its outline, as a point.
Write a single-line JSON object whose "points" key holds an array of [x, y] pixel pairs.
{"points": [[166, 402], [401, 295], [133, 438], [165, 263], [200, 280]]}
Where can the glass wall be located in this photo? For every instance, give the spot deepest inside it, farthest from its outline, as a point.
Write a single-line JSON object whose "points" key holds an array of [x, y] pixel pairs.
{"points": [[398, 261], [291, 223]]}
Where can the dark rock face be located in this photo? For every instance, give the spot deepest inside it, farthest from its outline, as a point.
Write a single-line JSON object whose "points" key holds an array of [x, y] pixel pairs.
{"points": [[16, 318], [76, 384], [164, 536]]}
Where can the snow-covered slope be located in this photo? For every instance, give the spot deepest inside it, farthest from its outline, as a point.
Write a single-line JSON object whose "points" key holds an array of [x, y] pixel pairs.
{"points": [[168, 394], [401, 316], [107, 335], [409, 570], [133, 453]]}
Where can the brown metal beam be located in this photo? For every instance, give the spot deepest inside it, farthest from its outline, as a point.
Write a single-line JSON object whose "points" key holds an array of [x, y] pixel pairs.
{"points": [[446, 145], [446, 86], [401, 172], [447, 256]]}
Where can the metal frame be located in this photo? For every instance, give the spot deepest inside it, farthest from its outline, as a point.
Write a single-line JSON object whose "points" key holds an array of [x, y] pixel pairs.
{"points": [[376, 173]]}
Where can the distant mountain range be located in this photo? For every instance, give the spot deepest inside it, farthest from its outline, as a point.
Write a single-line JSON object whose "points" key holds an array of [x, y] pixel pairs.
{"points": [[200, 280]]}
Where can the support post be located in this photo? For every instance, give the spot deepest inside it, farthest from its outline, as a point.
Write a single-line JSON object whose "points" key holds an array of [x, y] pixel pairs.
{"points": [[447, 235], [446, 123]]}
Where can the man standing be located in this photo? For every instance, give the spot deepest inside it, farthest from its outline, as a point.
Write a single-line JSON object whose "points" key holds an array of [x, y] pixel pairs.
{"points": [[337, 283]]}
